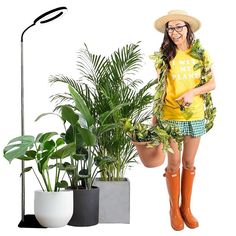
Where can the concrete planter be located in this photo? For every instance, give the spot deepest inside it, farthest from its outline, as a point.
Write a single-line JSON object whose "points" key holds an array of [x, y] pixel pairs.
{"points": [[114, 201]]}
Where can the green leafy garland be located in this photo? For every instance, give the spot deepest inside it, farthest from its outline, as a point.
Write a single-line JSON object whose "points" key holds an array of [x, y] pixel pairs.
{"points": [[196, 52]]}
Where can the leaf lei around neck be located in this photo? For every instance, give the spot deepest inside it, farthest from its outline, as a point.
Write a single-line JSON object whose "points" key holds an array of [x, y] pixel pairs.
{"points": [[198, 53]]}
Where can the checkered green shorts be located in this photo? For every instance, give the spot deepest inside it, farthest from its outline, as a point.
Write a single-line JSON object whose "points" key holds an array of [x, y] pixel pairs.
{"points": [[195, 128]]}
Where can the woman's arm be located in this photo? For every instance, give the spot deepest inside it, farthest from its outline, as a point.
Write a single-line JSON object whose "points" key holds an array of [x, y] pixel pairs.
{"points": [[188, 96], [207, 87]]}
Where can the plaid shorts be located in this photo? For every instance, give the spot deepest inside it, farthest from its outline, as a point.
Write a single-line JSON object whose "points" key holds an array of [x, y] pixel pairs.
{"points": [[195, 128]]}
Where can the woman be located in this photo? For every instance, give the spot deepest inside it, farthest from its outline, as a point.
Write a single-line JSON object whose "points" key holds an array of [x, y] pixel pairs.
{"points": [[183, 106]]}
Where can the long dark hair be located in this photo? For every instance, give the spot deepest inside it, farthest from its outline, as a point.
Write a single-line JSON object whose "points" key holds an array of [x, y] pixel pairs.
{"points": [[168, 47]]}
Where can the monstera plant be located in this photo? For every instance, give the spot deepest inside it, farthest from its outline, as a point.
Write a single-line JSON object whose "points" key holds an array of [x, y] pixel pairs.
{"points": [[44, 149], [52, 207]]}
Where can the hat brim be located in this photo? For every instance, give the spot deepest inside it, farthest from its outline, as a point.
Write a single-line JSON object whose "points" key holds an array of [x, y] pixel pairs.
{"points": [[160, 24]]}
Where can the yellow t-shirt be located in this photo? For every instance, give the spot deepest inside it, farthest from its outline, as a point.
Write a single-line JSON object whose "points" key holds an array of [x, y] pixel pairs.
{"points": [[181, 78]]}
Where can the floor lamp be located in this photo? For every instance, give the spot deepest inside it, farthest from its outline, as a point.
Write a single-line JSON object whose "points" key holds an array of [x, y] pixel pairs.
{"points": [[29, 221]]}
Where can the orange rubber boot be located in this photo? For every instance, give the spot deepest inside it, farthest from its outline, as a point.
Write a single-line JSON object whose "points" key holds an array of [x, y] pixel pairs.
{"points": [[173, 186], [186, 192]]}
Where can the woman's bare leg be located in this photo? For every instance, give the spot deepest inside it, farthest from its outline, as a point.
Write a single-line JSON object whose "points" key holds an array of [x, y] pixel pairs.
{"points": [[173, 158], [189, 151]]}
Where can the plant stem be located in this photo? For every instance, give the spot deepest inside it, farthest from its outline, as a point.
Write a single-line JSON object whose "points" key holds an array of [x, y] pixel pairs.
{"points": [[56, 177], [94, 174], [118, 169], [63, 175], [90, 161], [45, 181], [56, 189], [38, 180], [49, 183]]}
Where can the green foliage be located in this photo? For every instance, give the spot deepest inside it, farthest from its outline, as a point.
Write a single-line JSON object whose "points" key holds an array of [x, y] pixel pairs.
{"points": [[110, 93], [81, 135], [46, 147], [159, 97], [210, 111], [18, 147]]}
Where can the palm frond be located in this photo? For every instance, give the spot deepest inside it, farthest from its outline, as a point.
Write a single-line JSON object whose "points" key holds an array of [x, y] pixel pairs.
{"points": [[134, 84], [60, 98], [126, 60], [63, 79], [91, 66]]}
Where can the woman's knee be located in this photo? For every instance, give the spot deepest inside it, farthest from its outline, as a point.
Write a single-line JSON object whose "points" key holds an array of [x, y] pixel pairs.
{"points": [[173, 165], [187, 164]]}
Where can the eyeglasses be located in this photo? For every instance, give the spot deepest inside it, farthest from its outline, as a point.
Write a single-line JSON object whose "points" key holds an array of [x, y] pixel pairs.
{"points": [[178, 29]]}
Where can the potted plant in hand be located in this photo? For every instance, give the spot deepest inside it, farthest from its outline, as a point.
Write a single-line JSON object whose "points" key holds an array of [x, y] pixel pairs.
{"points": [[110, 93], [151, 141], [53, 208]]}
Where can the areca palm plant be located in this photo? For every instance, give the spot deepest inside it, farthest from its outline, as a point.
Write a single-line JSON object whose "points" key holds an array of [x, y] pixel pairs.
{"points": [[111, 93]]}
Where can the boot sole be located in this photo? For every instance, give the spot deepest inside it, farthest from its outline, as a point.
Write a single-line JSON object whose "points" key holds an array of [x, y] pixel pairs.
{"points": [[177, 229], [190, 226]]}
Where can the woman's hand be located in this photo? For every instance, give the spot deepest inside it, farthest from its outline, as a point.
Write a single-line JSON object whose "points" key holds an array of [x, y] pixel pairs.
{"points": [[187, 98], [154, 120]]}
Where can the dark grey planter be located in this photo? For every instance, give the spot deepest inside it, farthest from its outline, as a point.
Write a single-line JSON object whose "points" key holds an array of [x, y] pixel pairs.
{"points": [[86, 207], [114, 201]]}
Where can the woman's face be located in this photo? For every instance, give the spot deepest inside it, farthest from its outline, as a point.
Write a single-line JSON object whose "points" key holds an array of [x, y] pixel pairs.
{"points": [[177, 31]]}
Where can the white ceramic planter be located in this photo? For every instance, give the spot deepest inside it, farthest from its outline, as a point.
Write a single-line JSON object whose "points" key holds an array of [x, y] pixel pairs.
{"points": [[53, 209]]}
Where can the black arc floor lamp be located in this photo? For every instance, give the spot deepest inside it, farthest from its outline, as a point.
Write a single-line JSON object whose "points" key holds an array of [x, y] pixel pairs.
{"points": [[29, 221]]}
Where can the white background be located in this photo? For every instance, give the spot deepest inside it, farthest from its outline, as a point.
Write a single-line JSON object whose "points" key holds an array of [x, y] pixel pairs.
{"points": [[104, 26]]}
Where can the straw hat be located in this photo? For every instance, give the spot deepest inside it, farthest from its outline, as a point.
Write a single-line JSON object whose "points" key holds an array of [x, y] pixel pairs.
{"points": [[177, 15]]}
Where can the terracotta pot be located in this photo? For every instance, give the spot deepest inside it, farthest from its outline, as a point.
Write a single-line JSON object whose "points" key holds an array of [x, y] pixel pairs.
{"points": [[150, 156]]}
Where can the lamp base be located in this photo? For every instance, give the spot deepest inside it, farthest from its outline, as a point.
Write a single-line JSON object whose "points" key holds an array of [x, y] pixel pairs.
{"points": [[30, 221]]}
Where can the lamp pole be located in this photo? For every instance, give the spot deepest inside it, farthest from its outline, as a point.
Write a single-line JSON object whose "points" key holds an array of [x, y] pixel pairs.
{"points": [[29, 221]]}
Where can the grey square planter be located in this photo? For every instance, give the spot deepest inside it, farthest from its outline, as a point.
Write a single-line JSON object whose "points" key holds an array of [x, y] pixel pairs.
{"points": [[114, 201]]}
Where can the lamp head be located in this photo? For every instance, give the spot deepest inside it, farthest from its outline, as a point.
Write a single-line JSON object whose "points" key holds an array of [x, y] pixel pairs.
{"points": [[50, 15]]}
